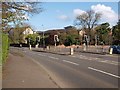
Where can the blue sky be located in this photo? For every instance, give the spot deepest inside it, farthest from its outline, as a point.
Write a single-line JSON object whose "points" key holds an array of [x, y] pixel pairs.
{"points": [[57, 15]]}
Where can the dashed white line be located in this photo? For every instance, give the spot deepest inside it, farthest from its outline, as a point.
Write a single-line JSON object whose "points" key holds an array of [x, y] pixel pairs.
{"points": [[73, 56], [109, 62], [104, 72], [53, 57], [70, 62], [90, 59], [41, 55], [97, 59]]}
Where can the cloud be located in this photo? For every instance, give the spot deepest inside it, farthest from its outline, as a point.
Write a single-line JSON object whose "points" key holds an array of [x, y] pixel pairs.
{"points": [[108, 14], [78, 12], [64, 17]]}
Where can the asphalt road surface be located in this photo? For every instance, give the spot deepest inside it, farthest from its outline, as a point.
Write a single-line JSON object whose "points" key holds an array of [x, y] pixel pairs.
{"points": [[81, 70]]}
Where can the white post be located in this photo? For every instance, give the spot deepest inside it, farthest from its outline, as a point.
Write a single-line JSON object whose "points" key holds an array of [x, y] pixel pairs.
{"points": [[55, 44], [111, 50], [36, 46], [47, 48], [20, 45], [71, 51], [84, 47], [29, 47]]}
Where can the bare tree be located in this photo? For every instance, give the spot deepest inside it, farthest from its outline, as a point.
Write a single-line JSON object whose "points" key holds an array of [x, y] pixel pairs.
{"points": [[88, 20], [18, 12]]}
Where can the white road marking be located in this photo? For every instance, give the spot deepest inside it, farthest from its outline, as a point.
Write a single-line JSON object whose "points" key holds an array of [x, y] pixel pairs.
{"points": [[90, 59], [73, 56], [97, 59], [41, 55], [53, 57], [109, 62], [70, 62], [104, 72]]}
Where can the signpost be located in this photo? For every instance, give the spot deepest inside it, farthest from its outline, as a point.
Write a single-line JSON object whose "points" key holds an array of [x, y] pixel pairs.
{"points": [[37, 41], [56, 39], [29, 41]]}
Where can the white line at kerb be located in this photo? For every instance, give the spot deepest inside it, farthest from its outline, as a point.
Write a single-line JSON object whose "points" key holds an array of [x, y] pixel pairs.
{"points": [[104, 72], [70, 62]]}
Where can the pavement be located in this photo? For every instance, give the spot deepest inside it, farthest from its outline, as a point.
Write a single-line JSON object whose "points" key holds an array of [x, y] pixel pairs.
{"points": [[21, 71]]}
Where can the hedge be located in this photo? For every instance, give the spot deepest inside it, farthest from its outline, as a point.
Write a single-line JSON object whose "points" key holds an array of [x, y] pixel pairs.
{"points": [[5, 47]]}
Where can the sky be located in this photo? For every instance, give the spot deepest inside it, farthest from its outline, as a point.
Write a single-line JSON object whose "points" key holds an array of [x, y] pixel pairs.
{"points": [[57, 15]]}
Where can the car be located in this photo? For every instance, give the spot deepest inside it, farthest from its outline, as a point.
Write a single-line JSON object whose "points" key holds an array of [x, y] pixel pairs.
{"points": [[116, 49]]}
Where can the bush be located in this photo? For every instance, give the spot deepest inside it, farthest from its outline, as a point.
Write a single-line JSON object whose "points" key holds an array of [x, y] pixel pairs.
{"points": [[116, 42]]}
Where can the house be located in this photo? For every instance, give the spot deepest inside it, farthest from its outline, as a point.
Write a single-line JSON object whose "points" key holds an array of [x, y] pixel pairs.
{"points": [[28, 31]]}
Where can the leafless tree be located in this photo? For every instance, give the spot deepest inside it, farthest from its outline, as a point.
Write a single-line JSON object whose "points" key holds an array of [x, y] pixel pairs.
{"points": [[18, 12], [88, 20]]}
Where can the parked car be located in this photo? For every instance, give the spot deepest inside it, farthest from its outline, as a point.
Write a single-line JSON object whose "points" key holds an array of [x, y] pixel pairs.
{"points": [[116, 49]]}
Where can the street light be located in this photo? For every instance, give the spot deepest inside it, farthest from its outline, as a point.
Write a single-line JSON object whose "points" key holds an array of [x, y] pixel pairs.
{"points": [[43, 38]]}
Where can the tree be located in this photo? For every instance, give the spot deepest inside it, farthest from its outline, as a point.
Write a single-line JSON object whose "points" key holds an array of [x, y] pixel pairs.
{"points": [[116, 31], [14, 13], [102, 32], [16, 34], [32, 38], [88, 20], [70, 40], [62, 37]]}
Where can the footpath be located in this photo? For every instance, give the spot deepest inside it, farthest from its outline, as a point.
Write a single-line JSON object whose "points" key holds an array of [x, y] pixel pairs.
{"points": [[21, 72]]}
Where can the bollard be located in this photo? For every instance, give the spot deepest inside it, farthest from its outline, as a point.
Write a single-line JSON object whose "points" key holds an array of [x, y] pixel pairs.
{"points": [[84, 47], [48, 47], [20, 45], [36, 46], [71, 51], [111, 50], [29, 47]]}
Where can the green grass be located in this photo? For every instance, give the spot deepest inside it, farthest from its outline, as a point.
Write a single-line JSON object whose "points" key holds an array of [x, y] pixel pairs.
{"points": [[5, 47], [0, 47]]}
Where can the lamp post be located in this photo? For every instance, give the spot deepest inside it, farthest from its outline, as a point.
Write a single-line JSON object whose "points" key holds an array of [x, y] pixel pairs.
{"points": [[43, 39], [29, 40]]}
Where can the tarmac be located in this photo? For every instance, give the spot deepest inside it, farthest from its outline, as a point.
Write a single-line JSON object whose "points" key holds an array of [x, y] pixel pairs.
{"points": [[22, 72]]}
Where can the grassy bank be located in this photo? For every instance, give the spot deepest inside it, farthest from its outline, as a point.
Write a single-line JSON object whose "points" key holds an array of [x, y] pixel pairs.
{"points": [[0, 47], [5, 47]]}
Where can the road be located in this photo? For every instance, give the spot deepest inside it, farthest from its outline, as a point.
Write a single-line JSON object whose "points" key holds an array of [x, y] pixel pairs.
{"points": [[81, 70]]}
